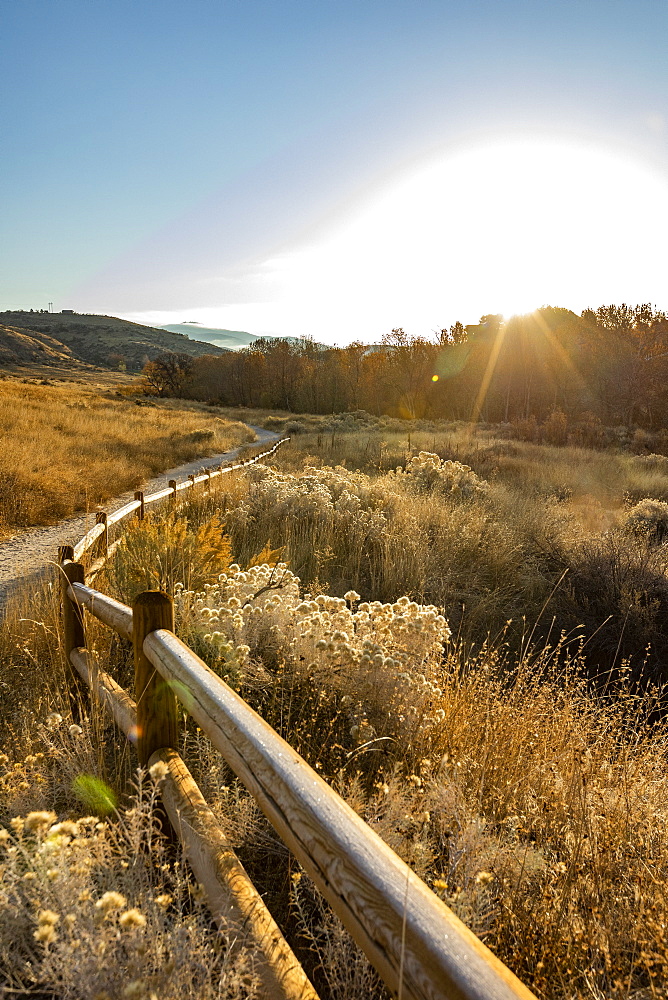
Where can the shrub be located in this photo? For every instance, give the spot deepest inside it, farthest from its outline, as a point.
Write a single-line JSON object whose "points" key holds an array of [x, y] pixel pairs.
{"points": [[157, 555], [648, 519], [616, 592], [100, 909], [428, 473], [555, 428], [658, 463]]}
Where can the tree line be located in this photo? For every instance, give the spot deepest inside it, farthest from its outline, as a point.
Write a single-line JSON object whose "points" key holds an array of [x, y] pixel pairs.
{"points": [[610, 364]]}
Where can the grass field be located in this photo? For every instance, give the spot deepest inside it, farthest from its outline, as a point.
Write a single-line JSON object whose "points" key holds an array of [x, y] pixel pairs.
{"points": [[68, 448], [451, 606]]}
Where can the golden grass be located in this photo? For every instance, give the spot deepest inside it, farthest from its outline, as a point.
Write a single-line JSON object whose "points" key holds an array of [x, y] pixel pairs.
{"points": [[67, 450], [537, 809], [600, 478]]}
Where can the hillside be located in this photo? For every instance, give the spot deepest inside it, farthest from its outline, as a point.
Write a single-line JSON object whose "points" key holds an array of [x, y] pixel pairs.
{"points": [[234, 340], [103, 340], [230, 339], [18, 347]]}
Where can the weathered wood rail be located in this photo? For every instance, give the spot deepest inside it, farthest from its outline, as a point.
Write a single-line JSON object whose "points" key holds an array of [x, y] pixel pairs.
{"points": [[419, 947]]}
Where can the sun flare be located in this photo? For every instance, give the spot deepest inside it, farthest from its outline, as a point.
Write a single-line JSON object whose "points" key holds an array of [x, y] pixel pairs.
{"points": [[503, 226]]}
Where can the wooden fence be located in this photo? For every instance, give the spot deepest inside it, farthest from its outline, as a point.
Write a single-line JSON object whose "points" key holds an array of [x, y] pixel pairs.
{"points": [[419, 947]]}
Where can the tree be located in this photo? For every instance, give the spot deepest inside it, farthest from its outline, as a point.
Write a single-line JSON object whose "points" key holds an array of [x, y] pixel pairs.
{"points": [[455, 335], [630, 348], [117, 361], [167, 374], [410, 366]]}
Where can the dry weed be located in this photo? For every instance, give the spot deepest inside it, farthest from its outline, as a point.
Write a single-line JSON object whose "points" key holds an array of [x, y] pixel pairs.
{"points": [[64, 453]]}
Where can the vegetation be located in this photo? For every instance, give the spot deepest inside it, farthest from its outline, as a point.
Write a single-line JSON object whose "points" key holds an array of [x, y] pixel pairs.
{"points": [[608, 366], [102, 340], [17, 346], [65, 453], [461, 626], [421, 612]]}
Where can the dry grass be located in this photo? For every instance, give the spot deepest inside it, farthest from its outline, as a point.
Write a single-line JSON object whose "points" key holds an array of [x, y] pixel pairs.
{"points": [[99, 908], [67, 450], [537, 809]]}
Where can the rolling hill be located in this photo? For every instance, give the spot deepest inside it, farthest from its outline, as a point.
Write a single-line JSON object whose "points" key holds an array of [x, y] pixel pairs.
{"points": [[99, 340], [19, 347], [231, 340]]}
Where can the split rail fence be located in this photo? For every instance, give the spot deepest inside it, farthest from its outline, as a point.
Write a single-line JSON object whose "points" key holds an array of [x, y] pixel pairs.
{"points": [[421, 950]]}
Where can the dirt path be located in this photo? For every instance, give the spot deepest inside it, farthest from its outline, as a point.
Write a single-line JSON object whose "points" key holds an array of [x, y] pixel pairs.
{"points": [[29, 554]]}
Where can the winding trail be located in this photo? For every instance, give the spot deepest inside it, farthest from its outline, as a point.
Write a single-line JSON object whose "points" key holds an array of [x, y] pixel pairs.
{"points": [[29, 554]]}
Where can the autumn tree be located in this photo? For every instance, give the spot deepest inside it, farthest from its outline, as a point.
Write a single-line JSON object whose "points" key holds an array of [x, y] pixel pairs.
{"points": [[630, 362], [167, 374]]}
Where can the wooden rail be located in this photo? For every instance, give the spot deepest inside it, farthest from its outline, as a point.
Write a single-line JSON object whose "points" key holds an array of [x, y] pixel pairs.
{"points": [[418, 946], [100, 529]]}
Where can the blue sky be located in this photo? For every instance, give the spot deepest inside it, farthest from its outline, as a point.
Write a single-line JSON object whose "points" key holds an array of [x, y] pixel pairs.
{"points": [[220, 160]]}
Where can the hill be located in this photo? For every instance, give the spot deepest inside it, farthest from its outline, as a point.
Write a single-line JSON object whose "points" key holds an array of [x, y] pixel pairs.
{"points": [[229, 339], [101, 340], [18, 347], [232, 340]]}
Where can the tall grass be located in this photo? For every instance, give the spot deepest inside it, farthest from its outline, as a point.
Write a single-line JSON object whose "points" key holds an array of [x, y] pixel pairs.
{"points": [[64, 453], [534, 805]]}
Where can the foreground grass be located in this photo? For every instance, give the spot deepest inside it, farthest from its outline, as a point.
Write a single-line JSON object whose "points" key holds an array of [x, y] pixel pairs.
{"points": [[536, 808], [67, 449]]}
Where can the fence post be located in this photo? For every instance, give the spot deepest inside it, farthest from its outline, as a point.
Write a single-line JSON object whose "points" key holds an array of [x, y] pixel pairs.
{"points": [[73, 629], [172, 499], [157, 707], [101, 518], [140, 510], [191, 477]]}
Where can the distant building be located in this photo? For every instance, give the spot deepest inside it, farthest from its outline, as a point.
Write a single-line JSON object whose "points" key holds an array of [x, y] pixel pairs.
{"points": [[67, 312]]}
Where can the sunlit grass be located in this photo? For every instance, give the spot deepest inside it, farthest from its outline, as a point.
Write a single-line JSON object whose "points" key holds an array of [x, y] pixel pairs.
{"points": [[64, 453], [528, 792]]}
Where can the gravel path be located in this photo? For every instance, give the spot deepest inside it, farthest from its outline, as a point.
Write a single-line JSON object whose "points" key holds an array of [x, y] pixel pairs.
{"points": [[30, 553]]}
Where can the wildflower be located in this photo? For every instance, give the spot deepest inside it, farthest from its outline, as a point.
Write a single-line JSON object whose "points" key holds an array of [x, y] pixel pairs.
{"points": [[132, 918], [75, 730], [440, 883], [197, 892], [48, 917], [53, 719], [67, 828], [45, 934], [163, 901], [158, 771], [110, 901], [4, 835], [35, 822], [134, 989], [52, 874], [484, 878], [351, 596]]}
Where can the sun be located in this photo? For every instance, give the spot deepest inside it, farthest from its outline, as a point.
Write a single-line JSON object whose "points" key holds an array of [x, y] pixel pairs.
{"points": [[513, 224], [501, 226]]}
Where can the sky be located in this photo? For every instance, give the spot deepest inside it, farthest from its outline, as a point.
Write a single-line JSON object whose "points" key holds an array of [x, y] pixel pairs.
{"points": [[332, 168]]}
